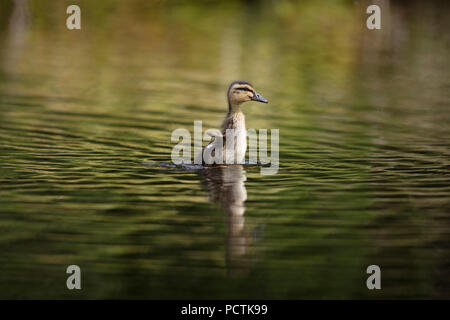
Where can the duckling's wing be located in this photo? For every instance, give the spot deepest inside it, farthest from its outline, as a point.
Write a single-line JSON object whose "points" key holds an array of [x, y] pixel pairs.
{"points": [[210, 151]]}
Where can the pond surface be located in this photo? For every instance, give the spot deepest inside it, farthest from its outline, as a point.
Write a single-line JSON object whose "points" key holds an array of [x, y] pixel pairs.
{"points": [[364, 150]]}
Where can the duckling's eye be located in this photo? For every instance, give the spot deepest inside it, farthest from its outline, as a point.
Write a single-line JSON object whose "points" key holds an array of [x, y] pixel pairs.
{"points": [[245, 89]]}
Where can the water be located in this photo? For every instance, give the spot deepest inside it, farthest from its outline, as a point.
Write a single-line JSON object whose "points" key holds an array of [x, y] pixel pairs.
{"points": [[86, 119]]}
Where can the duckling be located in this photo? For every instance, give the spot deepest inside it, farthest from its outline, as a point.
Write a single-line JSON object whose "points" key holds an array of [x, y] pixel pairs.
{"points": [[238, 93]]}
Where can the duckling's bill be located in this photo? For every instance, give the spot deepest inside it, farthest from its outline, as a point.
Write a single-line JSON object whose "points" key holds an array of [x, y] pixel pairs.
{"points": [[259, 98]]}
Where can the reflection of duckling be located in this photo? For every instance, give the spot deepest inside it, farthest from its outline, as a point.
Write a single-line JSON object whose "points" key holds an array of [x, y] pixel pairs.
{"points": [[226, 187], [238, 93]]}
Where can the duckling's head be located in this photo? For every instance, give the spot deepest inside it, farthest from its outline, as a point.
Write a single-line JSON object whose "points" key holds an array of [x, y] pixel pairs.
{"points": [[240, 92]]}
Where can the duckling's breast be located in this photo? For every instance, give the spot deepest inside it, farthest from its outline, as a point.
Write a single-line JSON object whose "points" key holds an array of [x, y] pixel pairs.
{"points": [[236, 122]]}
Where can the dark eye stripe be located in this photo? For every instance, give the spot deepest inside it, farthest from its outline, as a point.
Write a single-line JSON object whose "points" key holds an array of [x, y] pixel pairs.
{"points": [[243, 88]]}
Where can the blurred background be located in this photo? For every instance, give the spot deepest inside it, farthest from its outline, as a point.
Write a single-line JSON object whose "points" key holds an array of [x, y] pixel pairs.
{"points": [[364, 149]]}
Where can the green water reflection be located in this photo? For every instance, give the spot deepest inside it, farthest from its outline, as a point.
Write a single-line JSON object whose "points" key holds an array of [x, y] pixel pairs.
{"points": [[364, 150]]}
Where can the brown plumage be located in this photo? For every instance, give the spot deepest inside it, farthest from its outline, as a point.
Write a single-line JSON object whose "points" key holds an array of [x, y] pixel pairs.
{"points": [[238, 93]]}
